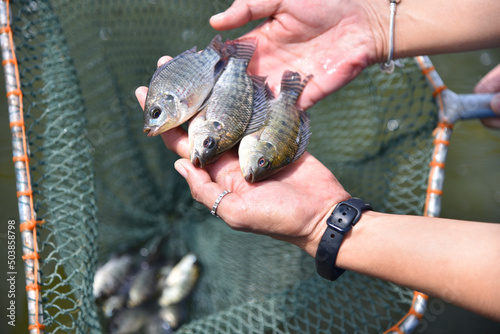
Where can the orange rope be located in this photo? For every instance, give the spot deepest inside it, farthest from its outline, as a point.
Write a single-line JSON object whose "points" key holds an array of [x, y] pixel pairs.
{"points": [[411, 311], [13, 124], [438, 90], [34, 255], [29, 225]]}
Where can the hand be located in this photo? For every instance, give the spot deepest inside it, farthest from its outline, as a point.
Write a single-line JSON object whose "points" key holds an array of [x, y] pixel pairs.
{"points": [[332, 39], [490, 83], [291, 205]]}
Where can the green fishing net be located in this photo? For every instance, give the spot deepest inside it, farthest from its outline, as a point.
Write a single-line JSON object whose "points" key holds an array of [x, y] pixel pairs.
{"points": [[101, 185]]}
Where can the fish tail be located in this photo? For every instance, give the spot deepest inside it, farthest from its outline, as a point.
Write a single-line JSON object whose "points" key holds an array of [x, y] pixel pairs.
{"points": [[242, 48], [217, 45], [291, 82]]}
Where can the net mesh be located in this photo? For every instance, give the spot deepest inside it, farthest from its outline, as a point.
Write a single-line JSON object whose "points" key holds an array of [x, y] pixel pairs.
{"points": [[101, 186]]}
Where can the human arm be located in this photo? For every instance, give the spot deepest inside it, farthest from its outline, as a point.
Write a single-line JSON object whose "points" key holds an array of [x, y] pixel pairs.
{"points": [[335, 40], [458, 261]]}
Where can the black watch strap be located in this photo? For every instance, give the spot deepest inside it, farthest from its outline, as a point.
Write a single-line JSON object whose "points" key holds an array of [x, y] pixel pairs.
{"points": [[345, 215]]}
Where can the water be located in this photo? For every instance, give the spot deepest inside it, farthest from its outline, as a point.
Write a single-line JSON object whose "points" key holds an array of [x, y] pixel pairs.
{"points": [[471, 191]]}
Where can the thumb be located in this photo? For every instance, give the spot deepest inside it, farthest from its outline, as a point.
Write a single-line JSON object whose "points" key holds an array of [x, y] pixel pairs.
{"points": [[243, 11], [495, 104], [493, 122]]}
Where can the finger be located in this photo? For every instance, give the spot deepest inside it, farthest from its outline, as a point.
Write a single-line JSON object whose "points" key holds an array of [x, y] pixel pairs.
{"points": [[243, 11], [163, 60], [202, 188], [177, 141], [494, 122], [140, 94], [490, 83]]}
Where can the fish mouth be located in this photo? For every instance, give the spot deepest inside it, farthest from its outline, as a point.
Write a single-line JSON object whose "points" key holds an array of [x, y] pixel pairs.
{"points": [[250, 177], [196, 160], [150, 131]]}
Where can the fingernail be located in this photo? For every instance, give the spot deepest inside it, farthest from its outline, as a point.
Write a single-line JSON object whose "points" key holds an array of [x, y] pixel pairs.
{"points": [[180, 169], [495, 104]]}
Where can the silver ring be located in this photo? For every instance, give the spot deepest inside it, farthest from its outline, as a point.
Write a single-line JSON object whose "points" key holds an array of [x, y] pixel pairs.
{"points": [[217, 201]]}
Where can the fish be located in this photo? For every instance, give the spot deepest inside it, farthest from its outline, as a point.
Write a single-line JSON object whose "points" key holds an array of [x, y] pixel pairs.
{"points": [[174, 315], [236, 105], [180, 281], [143, 286], [129, 320], [156, 325], [110, 276], [114, 304], [179, 88], [283, 137]]}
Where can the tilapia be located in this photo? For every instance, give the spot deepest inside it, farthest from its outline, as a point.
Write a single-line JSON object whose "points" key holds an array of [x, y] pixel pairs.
{"points": [[114, 304], [143, 286], [109, 277], [178, 88], [174, 315], [129, 320], [180, 281], [236, 104], [284, 136]]}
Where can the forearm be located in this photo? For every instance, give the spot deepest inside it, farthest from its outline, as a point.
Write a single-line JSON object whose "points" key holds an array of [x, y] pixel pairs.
{"points": [[454, 260], [427, 27]]}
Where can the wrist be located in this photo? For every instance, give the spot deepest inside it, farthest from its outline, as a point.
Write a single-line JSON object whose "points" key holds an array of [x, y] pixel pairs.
{"points": [[343, 218], [378, 18]]}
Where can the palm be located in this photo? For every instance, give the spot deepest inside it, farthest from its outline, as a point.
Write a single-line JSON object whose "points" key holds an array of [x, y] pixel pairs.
{"points": [[280, 205], [334, 46]]}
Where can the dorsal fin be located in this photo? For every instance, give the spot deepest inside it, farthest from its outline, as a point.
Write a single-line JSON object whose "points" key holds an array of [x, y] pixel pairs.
{"points": [[304, 135], [260, 105], [244, 48]]}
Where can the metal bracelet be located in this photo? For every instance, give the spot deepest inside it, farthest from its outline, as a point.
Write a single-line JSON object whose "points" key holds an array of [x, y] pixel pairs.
{"points": [[388, 66]]}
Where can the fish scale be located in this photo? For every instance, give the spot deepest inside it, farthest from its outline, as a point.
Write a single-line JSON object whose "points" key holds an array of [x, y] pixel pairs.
{"points": [[284, 136], [179, 88], [230, 107]]}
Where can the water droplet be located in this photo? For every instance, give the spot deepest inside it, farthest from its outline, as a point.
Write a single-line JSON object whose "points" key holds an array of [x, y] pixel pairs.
{"points": [[485, 58], [105, 34], [187, 34], [392, 125]]}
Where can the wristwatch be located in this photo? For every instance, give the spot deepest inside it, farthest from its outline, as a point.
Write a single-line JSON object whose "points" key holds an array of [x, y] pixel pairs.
{"points": [[345, 215]]}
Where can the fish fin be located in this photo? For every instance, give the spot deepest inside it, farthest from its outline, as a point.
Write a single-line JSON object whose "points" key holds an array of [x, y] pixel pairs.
{"points": [[244, 48], [219, 67], [291, 82], [217, 45], [260, 105], [304, 135], [269, 93]]}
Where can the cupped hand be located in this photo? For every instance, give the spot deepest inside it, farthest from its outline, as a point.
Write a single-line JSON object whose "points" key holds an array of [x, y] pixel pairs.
{"points": [[332, 39], [490, 83], [291, 205]]}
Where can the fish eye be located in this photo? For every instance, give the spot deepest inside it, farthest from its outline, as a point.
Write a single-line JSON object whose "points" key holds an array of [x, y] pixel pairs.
{"points": [[155, 113], [263, 162], [209, 143]]}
